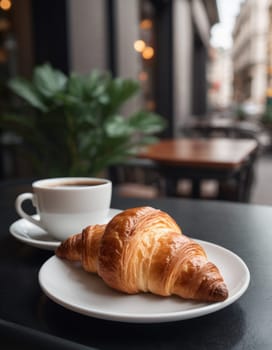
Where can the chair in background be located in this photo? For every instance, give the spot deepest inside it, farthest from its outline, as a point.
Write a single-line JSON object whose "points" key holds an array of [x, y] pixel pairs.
{"points": [[136, 178], [229, 189]]}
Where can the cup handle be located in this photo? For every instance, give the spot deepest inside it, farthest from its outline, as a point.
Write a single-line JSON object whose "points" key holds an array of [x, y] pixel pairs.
{"points": [[18, 205]]}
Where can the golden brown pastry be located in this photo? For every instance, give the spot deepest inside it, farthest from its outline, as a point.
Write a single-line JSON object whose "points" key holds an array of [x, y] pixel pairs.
{"points": [[143, 250]]}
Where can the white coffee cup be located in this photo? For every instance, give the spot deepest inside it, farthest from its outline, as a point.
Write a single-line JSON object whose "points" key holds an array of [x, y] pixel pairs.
{"points": [[67, 205]]}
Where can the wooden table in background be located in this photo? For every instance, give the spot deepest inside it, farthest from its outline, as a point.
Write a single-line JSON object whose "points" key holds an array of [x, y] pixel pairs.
{"points": [[197, 159]]}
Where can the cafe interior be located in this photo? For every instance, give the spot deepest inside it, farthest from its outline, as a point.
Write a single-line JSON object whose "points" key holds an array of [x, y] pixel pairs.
{"points": [[171, 100], [193, 83]]}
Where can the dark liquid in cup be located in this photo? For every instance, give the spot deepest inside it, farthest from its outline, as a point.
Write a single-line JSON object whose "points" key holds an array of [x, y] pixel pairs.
{"points": [[84, 183]]}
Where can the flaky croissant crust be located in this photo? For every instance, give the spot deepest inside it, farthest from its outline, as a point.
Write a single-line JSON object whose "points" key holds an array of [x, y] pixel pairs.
{"points": [[143, 250]]}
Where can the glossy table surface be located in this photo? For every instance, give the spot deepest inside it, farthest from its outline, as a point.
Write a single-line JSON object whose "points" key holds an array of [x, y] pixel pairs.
{"points": [[30, 320], [199, 152]]}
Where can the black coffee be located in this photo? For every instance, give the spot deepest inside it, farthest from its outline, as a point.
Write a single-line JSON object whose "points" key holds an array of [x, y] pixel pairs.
{"points": [[84, 183]]}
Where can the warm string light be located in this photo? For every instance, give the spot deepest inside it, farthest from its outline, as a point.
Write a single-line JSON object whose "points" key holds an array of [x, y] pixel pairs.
{"points": [[4, 25], [3, 56], [139, 45], [151, 105], [269, 92], [5, 5], [148, 52], [143, 76], [146, 24]]}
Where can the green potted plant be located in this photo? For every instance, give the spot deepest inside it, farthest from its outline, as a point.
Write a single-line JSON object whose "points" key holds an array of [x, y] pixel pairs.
{"points": [[71, 125]]}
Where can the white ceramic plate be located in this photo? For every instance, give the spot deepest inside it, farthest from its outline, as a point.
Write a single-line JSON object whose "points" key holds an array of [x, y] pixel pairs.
{"points": [[33, 235], [68, 285]]}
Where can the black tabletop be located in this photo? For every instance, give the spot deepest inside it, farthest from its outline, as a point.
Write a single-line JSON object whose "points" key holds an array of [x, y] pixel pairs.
{"points": [[29, 319]]}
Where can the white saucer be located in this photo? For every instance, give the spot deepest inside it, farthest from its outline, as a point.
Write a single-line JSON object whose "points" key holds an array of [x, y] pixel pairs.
{"points": [[67, 284], [33, 235]]}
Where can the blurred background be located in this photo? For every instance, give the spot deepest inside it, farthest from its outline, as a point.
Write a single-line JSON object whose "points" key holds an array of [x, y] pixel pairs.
{"points": [[195, 60]]}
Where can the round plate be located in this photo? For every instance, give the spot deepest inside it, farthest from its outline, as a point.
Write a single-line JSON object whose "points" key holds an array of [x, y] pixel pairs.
{"points": [[33, 235], [68, 285]]}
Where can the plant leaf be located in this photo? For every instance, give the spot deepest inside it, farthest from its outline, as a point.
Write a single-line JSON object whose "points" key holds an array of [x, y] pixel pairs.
{"points": [[75, 85], [76, 127], [48, 81], [117, 126], [120, 90], [147, 122], [25, 90]]}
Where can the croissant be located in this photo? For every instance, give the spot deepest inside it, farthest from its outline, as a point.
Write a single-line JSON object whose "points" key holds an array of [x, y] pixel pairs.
{"points": [[143, 250]]}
